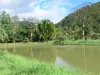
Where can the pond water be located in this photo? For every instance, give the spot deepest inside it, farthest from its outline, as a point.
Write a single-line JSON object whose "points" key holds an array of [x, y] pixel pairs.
{"points": [[72, 57]]}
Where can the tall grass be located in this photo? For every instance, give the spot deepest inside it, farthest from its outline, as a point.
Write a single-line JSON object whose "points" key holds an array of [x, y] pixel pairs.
{"points": [[16, 65]]}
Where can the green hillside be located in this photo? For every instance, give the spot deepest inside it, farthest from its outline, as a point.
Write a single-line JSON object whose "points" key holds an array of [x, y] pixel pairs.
{"points": [[88, 16]]}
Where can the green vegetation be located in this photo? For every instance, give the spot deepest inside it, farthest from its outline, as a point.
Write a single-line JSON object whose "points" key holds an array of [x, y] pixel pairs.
{"points": [[77, 42], [46, 30], [84, 23], [89, 17], [16, 65], [27, 30], [6, 25]]}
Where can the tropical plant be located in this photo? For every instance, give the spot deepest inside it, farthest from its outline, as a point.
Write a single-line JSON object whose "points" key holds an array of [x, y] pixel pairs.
{"points": [[46, 30]]}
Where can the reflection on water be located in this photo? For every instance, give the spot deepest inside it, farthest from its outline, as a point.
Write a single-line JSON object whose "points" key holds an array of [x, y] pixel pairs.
{"points": [[82, 57], [61, 62]]}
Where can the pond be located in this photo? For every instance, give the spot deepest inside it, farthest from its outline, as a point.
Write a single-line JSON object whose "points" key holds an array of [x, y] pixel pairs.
{"points": [[70, 56]]}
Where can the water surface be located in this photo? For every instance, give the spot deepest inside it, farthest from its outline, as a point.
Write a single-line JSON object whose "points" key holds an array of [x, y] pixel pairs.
{"points": [[70, 56]]}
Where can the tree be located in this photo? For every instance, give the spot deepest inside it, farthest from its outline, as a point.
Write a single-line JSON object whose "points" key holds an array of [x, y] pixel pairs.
{"points": [[22, 31], [46, 29], [6, 24], [87, 19], [15, 23], [32, 28], [3, 35]]}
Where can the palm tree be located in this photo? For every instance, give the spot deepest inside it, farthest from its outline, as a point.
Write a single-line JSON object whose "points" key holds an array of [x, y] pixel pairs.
{"points": [[46, 29]]}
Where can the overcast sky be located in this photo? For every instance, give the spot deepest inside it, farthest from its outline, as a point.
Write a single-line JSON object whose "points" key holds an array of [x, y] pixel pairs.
{"points": [[55, 10]]}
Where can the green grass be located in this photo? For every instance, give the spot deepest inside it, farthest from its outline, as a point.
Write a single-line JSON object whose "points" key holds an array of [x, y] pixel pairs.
{"points": [[16, 65], [50, 43], [81, 42]]}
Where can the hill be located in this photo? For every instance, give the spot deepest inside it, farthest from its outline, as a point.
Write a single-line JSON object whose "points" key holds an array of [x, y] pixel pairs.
{"points": [[89, 16]]}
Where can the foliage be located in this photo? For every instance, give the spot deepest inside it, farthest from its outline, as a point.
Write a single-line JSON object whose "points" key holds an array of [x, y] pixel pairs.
{"points": [[71, 27], [45, 30], [16, 29], [58, 42], [78, 42], [88, 16], [3, 35], [6, 24], [26, 40], [60, 33]]}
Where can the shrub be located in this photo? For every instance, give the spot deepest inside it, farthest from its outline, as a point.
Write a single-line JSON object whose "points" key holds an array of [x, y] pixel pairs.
{"points": [[26, 40], [58, 42]]}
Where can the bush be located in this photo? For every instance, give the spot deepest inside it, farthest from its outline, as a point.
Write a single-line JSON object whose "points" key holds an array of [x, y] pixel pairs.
{"points": [[95, 36], [26, 40], [58, 42], [61, 38]]}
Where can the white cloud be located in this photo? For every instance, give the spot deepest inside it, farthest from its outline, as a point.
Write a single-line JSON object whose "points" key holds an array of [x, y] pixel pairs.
{"points": [[40, 9], [55, 13], [32, 4], [9, 11], [4, 2], [13, 4], [38, 13]]}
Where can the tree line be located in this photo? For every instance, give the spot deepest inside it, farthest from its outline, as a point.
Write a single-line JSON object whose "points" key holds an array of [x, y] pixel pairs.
{"points": [[12, 29]]}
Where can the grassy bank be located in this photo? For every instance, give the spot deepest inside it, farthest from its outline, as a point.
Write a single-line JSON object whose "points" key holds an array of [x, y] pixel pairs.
{"points": [[16, 65], [50, 43], [78, 42]]}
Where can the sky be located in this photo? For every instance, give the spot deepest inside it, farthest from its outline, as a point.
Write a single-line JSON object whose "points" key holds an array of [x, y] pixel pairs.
{"points": [[54, 10]]}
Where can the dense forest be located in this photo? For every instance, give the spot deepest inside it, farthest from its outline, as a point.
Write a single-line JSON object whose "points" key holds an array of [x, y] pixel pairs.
{"points": [[89, 17], [12, 29]]}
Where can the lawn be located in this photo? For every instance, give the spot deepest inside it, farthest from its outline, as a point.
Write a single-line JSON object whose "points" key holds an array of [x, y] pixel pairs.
{"points": [[78, 42]]}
